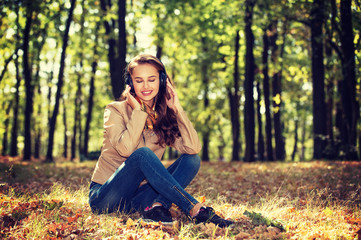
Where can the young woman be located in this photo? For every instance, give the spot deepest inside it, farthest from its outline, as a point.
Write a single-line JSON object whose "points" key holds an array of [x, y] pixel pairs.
{"points": [[129, 175]]}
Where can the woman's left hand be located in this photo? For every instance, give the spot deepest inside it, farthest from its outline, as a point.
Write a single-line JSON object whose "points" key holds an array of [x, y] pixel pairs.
{"points": [[173, 100]]}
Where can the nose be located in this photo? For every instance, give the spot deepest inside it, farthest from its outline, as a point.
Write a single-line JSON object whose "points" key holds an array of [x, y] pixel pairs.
{"points": [[146, 84]]}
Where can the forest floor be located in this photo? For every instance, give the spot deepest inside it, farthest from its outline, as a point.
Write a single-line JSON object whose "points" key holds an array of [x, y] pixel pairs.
{"points": [[305, 200]]}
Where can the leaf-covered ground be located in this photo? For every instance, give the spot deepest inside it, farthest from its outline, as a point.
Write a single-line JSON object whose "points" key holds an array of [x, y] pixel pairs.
{"points": [[309, 200]]}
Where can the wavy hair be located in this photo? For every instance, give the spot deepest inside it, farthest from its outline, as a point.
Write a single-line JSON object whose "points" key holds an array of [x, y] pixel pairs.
{"points": [[166, 127]]}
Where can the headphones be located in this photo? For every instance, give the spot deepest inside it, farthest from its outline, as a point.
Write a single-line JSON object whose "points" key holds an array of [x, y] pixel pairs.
{"points": [[162, 81]]}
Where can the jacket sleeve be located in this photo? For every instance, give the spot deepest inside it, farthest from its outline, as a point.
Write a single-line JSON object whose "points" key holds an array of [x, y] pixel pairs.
{"points": [[188, 142], [124, 133]]}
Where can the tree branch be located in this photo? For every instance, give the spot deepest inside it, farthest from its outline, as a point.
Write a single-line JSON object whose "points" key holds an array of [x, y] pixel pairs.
{"points": [[337, 49], [6, 64]]}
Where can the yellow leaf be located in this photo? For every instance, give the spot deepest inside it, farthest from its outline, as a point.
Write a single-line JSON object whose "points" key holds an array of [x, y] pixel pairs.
{"points": [[202, 199], [277, 99], [130, 222], [328, 211]]}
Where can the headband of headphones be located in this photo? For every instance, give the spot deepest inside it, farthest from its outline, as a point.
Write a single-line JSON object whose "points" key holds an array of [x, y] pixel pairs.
{"points": [[162, 80]]}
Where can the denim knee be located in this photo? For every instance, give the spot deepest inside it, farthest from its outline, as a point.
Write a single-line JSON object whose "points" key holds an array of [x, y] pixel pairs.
{"points": [[143, 151], [191, 161]]}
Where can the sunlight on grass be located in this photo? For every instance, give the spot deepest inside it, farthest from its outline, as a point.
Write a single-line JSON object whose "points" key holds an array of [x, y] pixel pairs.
{"points": [[314, 200]]}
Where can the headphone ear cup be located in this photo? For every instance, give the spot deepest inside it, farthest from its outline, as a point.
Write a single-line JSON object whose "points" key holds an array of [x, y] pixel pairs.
{"points": [[130, 83], [163, 80]]}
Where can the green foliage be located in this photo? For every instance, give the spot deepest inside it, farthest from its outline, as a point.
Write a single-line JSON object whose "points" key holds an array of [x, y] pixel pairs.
{"points": [[258, 219], [193, 36], [15, 173]]}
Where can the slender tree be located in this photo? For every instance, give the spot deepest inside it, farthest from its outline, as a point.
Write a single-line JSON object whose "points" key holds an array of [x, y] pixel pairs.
{"points": [[65, 146], [266, 92], [91, 93], [116, 46], [14, 130], [49, 155], [205, 81], [318, 80], [234, 103], [277, 52], [5, 142], [350, 107], [27, 73], [78, 94], [249, 121], [260, 145]]}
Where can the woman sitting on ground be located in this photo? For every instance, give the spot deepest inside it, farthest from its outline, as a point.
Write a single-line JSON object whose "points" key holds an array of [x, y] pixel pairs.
{"points": [[129, 175]]}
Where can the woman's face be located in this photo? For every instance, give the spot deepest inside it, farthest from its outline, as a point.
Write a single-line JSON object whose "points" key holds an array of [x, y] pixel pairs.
{"points": [[145, 79]]}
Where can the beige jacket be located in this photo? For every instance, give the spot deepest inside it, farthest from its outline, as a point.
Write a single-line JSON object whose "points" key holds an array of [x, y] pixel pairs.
{"points": [[124, 133]]}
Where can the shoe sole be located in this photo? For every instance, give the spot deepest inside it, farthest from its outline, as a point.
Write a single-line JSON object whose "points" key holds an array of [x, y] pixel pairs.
{"points": [[152, 221]]}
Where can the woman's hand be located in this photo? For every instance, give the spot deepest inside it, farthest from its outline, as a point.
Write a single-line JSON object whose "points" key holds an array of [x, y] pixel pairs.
{"points": [[131, 99], [172, 98]]}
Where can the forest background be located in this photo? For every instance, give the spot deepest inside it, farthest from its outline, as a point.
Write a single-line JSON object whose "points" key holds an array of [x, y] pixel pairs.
{"points": [[260, 80]]}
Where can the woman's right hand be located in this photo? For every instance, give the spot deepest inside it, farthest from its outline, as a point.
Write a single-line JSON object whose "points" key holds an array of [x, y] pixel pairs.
{"points": [[131, 99]]}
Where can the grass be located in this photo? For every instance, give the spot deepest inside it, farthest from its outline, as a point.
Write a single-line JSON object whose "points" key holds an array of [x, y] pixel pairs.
{"points": [[312, 200]]}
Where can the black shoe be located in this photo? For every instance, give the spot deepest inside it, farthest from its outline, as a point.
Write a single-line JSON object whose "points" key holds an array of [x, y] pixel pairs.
{"points": [[157, 214], [207, 214]]}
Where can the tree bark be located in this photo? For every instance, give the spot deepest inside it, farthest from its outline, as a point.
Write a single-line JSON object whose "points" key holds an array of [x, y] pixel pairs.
{"points": [[249, 121], [91, 95], [331, 153], [318, 80], [28, 82], [277, 91], [266, 92], [65, 146], [5, 141], [78, 95], [296, 140], [350, 105], [49, 155], [303, 138], [117, 47], [260, 145], [14, 130], [234, 103], [76, 126]]}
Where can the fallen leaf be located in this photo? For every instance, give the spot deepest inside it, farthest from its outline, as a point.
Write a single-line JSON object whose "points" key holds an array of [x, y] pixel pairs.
{"points": [[242, 235]]}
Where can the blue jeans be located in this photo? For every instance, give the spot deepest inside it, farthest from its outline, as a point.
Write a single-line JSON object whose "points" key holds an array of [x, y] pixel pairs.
{"points": [[165, 185]]}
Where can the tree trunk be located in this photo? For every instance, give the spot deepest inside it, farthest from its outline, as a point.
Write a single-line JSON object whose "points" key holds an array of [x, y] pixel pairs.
{"points": [[303, 138], [249, 121], [116, 47], [76, 118], [49, 155], [5, 142], [234, 104], [205, 81], [296, 138], [38, 131], [65, 151], [14, 130], [331, 153], [91, 95], [7, 61], [318, 80], [37, 123], [277, 92], [78, 95], [266, 90], [350, 105], [28, 82], [260, 145]]}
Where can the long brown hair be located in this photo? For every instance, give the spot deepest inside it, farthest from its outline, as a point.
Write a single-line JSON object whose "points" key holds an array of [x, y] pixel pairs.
{"points": [[166, 127]]}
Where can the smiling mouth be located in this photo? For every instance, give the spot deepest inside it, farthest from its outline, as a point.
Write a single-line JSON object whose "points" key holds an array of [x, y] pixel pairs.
{"points": [[146, 93]]}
